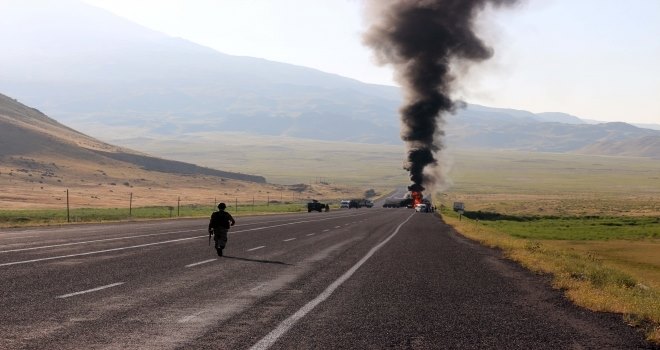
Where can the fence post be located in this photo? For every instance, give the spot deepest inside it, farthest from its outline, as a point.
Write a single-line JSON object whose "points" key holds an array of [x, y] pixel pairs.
{"points": [[68, 218]]}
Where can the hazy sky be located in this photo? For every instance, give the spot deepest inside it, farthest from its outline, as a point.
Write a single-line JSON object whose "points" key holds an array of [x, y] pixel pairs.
{"points": [[597, 59]]}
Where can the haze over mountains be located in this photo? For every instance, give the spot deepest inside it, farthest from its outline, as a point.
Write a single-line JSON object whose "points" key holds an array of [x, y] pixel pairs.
{"points": [[109, 77], [27, 134]]}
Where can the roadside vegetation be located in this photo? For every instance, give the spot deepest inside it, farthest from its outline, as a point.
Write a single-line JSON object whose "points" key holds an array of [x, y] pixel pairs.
{"points": [[613, 270], [591, 222], [22, 218]]}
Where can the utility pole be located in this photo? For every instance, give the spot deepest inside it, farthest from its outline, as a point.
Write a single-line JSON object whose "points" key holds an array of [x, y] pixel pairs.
{"points": [[178, 206], [130, 206]]}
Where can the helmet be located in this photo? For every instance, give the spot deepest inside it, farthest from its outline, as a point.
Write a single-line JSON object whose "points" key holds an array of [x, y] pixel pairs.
{"points": [[222, 206]]}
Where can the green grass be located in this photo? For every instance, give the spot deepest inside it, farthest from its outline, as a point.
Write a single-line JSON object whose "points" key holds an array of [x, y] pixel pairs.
{"points": [[18, 218], [571, 227], [619, 276]]}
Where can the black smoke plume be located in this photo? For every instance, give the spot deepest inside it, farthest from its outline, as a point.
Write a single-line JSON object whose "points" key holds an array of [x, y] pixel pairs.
{"points": [[422, 39]]}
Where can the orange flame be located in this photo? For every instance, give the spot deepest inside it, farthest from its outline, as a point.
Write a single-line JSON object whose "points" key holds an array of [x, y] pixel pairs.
{"points": [[416, 197]]}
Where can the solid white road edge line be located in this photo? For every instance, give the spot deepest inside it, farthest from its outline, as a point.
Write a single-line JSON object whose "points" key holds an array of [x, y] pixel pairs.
{"points": [[270, 339], [256, 248], [201, 262], [90, 290]]}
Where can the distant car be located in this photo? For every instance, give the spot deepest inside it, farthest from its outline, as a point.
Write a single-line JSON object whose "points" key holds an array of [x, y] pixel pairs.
{"points": [[353, 204], [344, 204], [422, 208]]}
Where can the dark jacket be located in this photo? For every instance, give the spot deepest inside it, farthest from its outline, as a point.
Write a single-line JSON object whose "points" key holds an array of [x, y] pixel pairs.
{"points": [[221, 220]]}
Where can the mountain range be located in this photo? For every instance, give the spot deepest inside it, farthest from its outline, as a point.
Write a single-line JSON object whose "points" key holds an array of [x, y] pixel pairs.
{"points": [[113, 78]]}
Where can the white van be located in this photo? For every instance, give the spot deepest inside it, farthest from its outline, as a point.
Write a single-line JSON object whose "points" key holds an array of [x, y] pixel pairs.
{"points": [[344, 204]]}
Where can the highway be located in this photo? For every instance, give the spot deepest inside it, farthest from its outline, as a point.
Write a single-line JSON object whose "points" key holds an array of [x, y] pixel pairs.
{"points": [[346, 279]]}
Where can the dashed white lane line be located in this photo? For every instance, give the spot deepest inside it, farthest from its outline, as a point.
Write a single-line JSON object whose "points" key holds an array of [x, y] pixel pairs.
{"points": [[289, 240], [21, 237], [311, 234], [190, 317], [201, 262], [256, 248], [93, 241], [90, 290], [270, 339], [258, 287], [338, 226], [326, 230], [99, 251]]}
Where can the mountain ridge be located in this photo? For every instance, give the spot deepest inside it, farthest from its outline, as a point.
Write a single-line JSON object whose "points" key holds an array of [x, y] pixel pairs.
{"points": [[116, 78]]}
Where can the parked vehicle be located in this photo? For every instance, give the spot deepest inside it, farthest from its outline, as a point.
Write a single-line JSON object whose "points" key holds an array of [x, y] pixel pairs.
{"points": [[315, 205], [344, 204]]}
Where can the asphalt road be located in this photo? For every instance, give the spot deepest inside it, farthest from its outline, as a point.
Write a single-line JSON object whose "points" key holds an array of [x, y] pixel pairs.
{"points": [[348, 279]]}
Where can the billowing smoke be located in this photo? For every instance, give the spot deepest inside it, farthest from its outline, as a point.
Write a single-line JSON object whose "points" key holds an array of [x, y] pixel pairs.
{"points": [[422, 39]]}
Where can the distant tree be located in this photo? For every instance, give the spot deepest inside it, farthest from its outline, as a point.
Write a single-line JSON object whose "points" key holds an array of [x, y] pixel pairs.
{"points": [[369, 193]]}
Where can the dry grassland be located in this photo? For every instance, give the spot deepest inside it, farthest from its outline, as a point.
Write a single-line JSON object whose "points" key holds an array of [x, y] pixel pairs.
{"points": [[588, 279], [619, 275], [639, 259], [41, 183]]}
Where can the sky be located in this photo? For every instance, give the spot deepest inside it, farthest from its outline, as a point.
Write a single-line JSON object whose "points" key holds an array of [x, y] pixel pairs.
{"points": [[595, 59]]}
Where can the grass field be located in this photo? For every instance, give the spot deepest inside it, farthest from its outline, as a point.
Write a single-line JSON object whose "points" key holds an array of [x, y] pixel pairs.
{"points": [[575, 228], [285, 160], [619, 276], [592, 222]]}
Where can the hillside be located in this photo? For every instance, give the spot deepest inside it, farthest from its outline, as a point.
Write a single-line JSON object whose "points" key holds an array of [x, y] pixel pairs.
{"points": [[25, 131], [41, 160], [644, 146], [114, 79], [490, 128], [89, 68]]}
